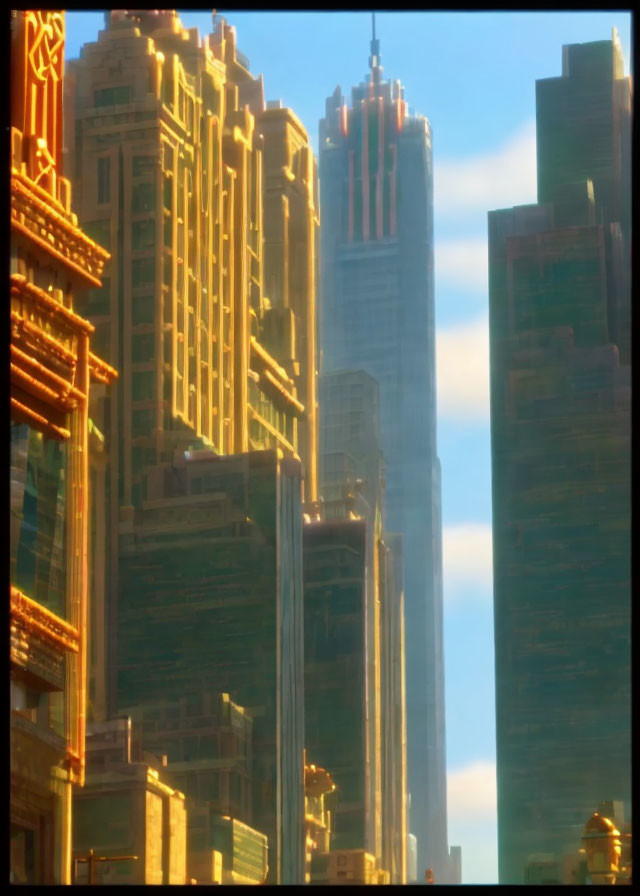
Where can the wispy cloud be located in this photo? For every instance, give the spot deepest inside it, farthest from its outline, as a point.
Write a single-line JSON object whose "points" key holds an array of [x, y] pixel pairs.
{"points": [[472, 819], [498, 179], [462, 370], [463, 264], [467, 560], [471, 790], [464, 191]]}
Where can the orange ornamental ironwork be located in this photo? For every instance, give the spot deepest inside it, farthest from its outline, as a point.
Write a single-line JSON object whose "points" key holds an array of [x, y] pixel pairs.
{"points": [[36, 108], [51, 365]]}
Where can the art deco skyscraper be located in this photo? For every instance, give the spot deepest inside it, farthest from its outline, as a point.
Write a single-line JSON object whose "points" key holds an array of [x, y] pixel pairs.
{"points": [[560, 428], [204, 195], [377, 314]]}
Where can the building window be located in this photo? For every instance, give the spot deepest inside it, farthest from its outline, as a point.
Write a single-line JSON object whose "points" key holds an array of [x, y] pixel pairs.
{"points": [[99, 232], [99, 303], [112, 96], [141, 165], [168, 192], [143, 234], [143, 310], [142, 271], [104, 180], [38, 535], [142, 385], [143, 198], [143, 347], [142, 422], [142, 456], [102, 341]]}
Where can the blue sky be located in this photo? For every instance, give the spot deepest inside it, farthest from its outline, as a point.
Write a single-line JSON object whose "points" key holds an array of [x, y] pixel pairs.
{"points": [[473, 75]]}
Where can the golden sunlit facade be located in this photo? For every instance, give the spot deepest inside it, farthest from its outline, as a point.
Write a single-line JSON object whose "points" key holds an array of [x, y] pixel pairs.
{"points": [[52, 366], [318, 784], [291, 222], [168, 144], [178, 166]]}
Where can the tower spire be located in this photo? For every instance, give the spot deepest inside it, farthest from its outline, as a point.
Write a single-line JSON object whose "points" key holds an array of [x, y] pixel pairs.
{"points": [[374, 59]]}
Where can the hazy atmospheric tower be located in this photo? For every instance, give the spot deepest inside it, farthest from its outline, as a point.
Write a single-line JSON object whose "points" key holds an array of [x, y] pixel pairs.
{"points": [[377, 314]]}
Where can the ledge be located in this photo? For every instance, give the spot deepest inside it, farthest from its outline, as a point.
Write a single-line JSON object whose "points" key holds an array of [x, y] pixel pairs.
{"points": [[41, 622], [40, 222]]}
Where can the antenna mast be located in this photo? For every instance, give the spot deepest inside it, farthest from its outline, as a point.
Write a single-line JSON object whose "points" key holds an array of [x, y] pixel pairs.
{"points": [[374, 59]]}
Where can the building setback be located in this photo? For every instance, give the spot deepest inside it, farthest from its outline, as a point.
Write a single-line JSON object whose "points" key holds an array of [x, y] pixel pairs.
{"points": [[52, 370], [352, 485], [353, 624], [560, 427], [204, 745], [349, 443], [335, 652], [207, 744], [212, 600], [126, 809], [177, 163], [377, 315]]}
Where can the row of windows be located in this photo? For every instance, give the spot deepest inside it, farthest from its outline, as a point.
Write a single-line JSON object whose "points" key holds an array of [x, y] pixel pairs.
{"points": [[112, 96], [143, 196]]}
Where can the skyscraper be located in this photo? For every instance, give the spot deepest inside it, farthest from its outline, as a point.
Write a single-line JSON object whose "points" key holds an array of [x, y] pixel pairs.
{"points": [[377, 314], [212, 598], [354, 599], [203, 194], [560, 428]]}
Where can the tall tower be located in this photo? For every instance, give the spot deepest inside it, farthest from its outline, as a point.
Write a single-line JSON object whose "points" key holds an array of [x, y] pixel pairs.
{"points": [[352, 486], [560, 309], [202, 195], [377, 314], [194, 186]]}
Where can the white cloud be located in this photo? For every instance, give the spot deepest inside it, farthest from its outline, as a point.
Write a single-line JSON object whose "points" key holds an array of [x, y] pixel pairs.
{"points": [[462, 370], [462, 263], [467, 560], [472, 819], [465, 190], [499, 179], [471, 790]]}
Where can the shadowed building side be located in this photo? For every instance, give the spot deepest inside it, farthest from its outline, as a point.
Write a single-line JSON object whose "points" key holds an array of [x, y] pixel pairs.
{"points": [[212, 600], [560, 427]]}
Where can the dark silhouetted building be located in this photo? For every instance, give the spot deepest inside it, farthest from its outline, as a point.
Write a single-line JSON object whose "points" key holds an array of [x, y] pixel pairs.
{"points": [[126, 809], [335, 621], [352, 486], [212, 599], [559, 285]]}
